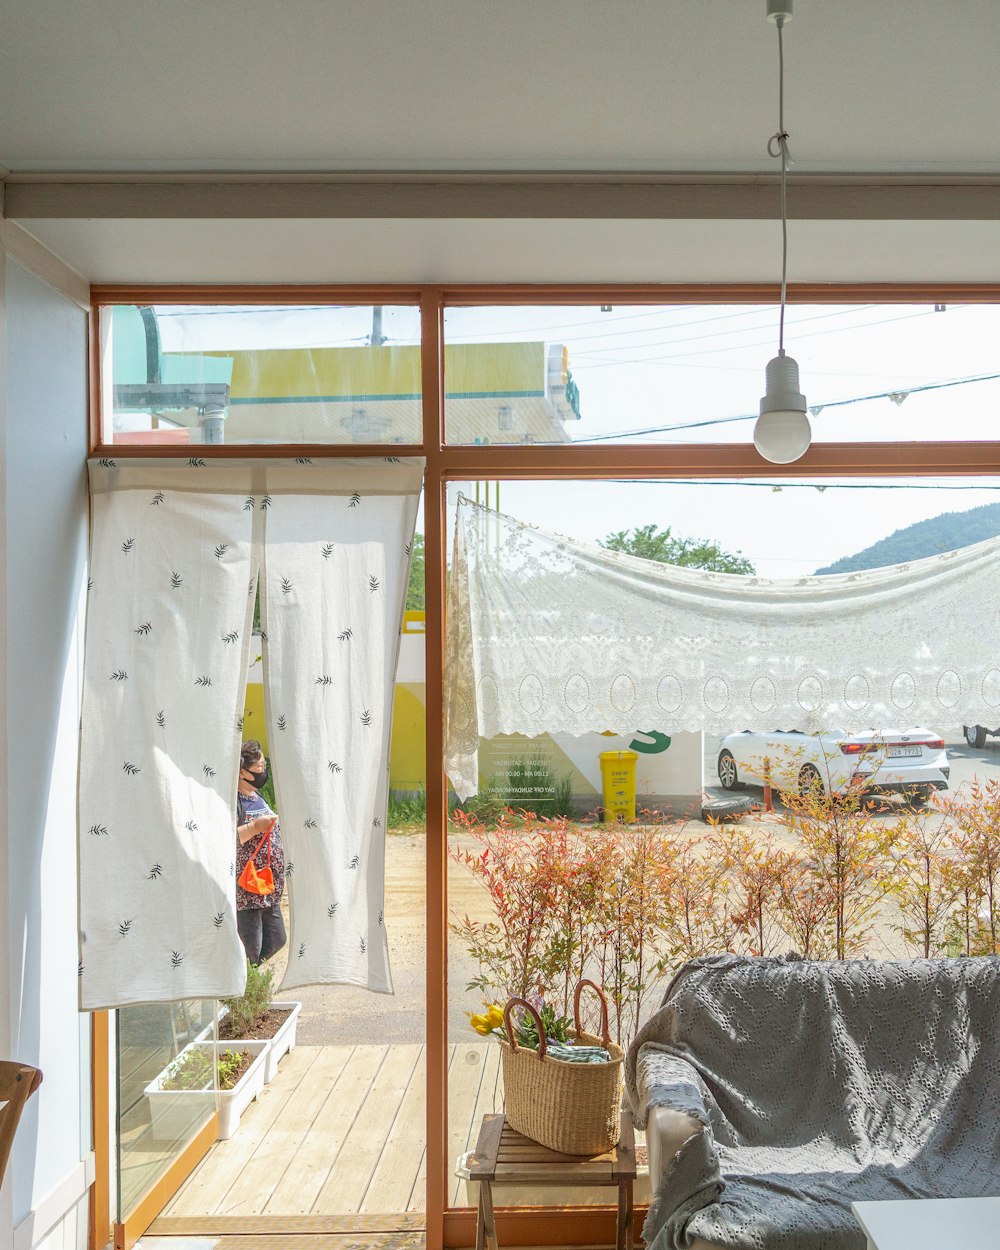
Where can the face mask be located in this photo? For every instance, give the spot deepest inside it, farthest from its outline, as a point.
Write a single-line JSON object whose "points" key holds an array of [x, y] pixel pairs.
{"points": [[257, 779]]}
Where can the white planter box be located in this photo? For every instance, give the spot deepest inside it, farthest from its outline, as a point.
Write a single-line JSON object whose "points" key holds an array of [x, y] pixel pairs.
{"points": [[174, 1112], [282, 1042]]}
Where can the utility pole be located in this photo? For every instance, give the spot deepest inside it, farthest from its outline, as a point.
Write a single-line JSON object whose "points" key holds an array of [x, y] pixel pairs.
{"points": [[377, 337]]}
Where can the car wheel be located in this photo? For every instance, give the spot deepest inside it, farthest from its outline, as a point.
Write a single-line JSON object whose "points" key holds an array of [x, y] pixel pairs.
{"points": [[810, 782], [729, 776], [975, 736]]}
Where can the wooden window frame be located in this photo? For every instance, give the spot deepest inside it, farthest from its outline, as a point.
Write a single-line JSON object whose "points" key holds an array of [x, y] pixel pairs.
{"points": [[445, 464]]}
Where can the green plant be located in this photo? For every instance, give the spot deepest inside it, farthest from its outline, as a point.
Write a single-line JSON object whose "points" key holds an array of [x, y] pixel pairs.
{"points": [[556, 1028], [486, 807], [751, 870], [844, 841], [926, 885], [415, 586], [806, 909], [513, 951], [562, 795], [407, 809], [267, 794], [246, 1011], [973, 817], [626, 905], [194, 1070], [649, 543], [567, 901], [633, 915], [530, 786]]}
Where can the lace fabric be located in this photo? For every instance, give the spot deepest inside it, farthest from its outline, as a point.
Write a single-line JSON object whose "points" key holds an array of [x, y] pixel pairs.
{"points": [[550, 635]]}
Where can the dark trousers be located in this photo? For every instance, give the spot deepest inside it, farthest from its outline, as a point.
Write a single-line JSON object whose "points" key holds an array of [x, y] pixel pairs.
{"points": [[262, 931]]}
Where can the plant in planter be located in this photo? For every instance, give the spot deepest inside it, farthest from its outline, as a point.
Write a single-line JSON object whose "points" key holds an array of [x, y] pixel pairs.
{"points": [[187, 1089], [255, 1016], [194, 1071]]}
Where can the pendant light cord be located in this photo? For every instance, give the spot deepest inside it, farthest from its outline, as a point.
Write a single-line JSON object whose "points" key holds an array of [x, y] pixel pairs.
{"points": [[777, 146]]}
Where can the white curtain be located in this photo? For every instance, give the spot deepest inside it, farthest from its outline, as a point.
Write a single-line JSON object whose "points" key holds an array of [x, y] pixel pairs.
{"points": [[176, 552], [546, 634]]}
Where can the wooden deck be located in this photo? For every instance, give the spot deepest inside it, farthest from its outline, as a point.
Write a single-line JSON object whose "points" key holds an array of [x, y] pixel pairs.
{"points": [[340, 1132]]}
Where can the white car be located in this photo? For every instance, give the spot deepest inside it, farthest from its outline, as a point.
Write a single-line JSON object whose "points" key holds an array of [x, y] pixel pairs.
{"points": [[909, 761]]}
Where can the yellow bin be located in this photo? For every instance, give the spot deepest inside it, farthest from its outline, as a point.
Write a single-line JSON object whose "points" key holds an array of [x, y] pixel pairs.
{"points": [[618, 777]]}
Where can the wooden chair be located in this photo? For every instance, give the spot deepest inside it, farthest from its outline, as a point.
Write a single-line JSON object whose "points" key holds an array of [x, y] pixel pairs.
{"points": [[17, 1083]]}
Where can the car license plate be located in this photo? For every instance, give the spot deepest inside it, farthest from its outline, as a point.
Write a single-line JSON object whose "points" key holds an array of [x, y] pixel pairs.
{"points": [[896, 753]]}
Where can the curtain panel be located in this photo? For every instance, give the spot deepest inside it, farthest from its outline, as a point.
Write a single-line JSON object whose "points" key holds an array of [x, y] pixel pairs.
{"points": [[550, 635], [178, 550]]}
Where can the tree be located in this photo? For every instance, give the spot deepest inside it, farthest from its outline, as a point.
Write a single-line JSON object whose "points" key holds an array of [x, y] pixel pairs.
{"points": [[415, 589], [649, 543]]}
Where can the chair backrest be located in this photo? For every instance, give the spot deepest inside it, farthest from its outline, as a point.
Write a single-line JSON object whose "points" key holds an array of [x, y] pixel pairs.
{"points": [[17, 1083]]}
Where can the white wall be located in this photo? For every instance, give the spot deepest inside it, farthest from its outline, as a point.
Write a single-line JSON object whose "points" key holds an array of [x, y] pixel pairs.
{"points": [[43, 530]]}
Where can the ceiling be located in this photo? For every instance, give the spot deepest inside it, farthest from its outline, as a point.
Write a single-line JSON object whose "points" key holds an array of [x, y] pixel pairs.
{"points": [[898, 87]]}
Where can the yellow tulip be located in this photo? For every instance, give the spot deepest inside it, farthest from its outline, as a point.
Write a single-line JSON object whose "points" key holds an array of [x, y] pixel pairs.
{"points": [[495, 1015], [481, 1024]]}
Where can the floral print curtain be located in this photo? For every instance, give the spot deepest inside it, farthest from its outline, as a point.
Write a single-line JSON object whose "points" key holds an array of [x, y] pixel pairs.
{"points": [[177, 551]]}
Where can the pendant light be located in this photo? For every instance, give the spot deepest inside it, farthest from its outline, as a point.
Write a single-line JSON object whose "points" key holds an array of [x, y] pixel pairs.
{"points": [[782, 433]]}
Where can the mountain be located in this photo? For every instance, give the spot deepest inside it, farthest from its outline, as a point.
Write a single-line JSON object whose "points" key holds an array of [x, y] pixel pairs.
{"points": [[946, 532]]}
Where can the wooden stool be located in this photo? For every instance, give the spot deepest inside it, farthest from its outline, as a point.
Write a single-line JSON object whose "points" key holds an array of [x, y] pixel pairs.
{"points": [[506, 1158]]}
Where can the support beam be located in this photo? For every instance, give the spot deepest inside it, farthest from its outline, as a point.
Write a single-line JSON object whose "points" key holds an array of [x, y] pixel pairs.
{"points": [[651, 196]]}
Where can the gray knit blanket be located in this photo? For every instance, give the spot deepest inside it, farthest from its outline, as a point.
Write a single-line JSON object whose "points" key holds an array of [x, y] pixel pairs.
{"points": [[817, 1085]]}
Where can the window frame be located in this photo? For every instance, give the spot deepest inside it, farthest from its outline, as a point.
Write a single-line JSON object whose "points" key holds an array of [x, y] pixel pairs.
{"points": [[497, 462]]}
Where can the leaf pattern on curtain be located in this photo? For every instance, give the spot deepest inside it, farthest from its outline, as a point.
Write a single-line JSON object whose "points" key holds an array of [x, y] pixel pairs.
{"points": [[174, 560], [159, 745], [334, 580]]}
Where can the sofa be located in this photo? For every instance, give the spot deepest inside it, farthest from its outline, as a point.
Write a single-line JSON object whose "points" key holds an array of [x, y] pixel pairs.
{"points": [[777, 1091]]}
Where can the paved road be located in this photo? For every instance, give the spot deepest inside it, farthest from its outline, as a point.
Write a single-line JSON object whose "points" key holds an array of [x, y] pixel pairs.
{"points": [[341, 1014]]}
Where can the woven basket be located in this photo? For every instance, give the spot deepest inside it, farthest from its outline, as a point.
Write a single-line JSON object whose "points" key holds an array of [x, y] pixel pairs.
{"points": [[574, 1108]]}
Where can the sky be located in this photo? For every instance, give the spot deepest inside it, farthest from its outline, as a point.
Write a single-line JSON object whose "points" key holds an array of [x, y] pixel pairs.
{"points": [[668, 367], [682, 374]]}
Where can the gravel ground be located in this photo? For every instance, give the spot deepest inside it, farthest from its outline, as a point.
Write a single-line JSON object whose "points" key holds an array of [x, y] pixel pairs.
{"points": [[343, 1014]]}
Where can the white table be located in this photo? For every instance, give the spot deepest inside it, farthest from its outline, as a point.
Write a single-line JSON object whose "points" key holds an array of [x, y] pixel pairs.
{"points": [[931, 1223]]}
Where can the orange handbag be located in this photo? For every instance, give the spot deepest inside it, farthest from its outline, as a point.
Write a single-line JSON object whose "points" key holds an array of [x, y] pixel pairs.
{"points": [[254, 880]]}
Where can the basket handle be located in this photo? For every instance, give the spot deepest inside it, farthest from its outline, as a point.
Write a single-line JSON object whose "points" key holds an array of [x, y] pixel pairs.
{"points": [[604, 1026], [539, 1027]]}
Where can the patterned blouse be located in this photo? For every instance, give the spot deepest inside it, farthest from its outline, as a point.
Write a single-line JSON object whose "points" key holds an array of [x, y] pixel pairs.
{"points": [[248, 808]]}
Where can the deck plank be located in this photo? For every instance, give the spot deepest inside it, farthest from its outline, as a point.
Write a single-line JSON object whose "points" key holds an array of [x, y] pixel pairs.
{"points": [[297, 1190], [348, 1180], [278, 1149], [471, 1077], [205, 1190], [395, 1174], [341, 1133]]}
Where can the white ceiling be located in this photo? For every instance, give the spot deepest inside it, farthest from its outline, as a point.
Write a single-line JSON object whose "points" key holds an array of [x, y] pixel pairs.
{"points": [[873, 86], [524, 84]]}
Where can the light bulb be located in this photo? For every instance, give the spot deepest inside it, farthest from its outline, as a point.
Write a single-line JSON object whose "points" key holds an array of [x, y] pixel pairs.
{"points": [[782, 433]]}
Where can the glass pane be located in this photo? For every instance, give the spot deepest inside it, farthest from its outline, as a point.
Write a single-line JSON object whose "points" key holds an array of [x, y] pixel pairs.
{"points": [[154, 1124], [535, 900], [695, 373], [340, 1130], [294, 374]]}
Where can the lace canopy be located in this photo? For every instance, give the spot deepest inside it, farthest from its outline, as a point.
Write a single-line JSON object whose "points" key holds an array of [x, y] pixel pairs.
{"points": [[549, 635]]}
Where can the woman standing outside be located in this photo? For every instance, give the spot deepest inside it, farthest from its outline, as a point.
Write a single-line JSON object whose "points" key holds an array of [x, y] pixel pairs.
{"points": [[258, 916]]}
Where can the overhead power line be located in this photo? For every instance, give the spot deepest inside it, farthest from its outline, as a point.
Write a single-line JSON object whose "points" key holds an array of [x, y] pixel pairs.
{"points": [[897, 396]]}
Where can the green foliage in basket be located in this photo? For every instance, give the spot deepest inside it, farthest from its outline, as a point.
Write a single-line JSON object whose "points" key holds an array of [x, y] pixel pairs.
{"points": [[195, 1070], [556, 1028]]}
